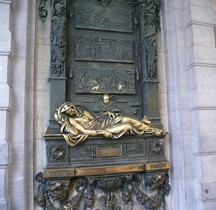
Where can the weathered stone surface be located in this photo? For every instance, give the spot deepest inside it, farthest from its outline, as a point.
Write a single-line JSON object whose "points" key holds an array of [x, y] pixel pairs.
{"points": [[205, 167], [203, 14], [4, 67], [3, 204], [205, 190], [4, 158], [206, 205], [203, 35]]}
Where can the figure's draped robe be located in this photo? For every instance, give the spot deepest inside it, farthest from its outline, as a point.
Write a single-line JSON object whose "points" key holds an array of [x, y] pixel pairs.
{"points": [[111, 122]]}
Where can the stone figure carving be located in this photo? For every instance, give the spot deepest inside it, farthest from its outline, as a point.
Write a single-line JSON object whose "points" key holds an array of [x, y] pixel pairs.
{"points": [[77, 124]]}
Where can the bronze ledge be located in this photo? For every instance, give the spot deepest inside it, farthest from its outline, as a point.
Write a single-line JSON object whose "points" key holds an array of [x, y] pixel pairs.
{"points": [[49, 136], [52, 135], [104, 170], [157, 166]]}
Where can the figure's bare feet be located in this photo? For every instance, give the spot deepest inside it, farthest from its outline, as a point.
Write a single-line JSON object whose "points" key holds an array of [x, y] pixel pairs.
{"points": [[160, 132], [146, 120]]}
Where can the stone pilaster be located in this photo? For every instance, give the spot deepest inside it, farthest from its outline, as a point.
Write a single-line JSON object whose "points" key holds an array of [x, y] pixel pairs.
{"points": [[5, 93], [175, 15], [20, 126], [202, 68], [191, 86]]}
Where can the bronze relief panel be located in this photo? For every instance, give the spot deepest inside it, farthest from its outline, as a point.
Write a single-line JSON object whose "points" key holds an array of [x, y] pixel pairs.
{"points": [[113, 81], [103, 53], [103, 81], [95, 17]]}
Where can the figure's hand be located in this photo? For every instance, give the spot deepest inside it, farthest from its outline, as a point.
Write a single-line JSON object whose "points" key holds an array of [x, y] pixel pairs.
{"points": [[107, 134], [111, 115]]}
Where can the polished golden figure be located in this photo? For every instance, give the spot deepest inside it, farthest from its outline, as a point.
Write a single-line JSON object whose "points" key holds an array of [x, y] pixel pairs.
{"points": [[77, 124]]}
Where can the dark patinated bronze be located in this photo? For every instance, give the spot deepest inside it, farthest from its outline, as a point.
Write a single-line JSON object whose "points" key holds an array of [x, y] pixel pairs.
{"points": [[104, 60]]}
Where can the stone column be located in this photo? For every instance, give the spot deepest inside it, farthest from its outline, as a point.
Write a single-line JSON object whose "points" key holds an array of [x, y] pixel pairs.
{"points": [[21, 119], [5, 55], [191, 89], [201, 66], [175, 15]]}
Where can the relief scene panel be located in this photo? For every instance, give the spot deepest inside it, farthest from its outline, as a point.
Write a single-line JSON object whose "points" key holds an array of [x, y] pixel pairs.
{"points": [[103, 49], [103, 18], [104, 81]]}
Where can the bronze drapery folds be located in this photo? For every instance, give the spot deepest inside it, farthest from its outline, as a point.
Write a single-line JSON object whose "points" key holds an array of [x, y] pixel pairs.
{"points": [[77, 124]]}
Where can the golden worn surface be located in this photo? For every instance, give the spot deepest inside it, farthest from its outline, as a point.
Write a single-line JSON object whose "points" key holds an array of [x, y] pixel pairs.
{"points": [[106, 99], [109, 169], [108, 151], [99, 170], [157, 166], [78, 124], [51, 173]]}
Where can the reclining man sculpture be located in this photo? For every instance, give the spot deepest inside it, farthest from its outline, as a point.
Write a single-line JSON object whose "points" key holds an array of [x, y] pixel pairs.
{"points": [[78, 123]]}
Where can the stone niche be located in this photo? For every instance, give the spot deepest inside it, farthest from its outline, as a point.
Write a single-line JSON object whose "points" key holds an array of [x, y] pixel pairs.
{"points": [[104, 49]]}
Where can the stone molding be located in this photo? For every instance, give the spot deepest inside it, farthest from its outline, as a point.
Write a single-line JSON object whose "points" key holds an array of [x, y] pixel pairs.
{"points": [[6, 1]]}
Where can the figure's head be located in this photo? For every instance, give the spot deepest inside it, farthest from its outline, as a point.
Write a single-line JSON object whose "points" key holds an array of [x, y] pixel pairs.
{"points": [[59, 9], [39, 177], [69, 109], [106, 99]]}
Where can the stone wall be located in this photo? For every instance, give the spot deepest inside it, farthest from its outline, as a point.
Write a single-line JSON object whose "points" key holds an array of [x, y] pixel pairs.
{"points": [[5, 94], [191, 92], [187, 71], [17, 37], [202, 67]]}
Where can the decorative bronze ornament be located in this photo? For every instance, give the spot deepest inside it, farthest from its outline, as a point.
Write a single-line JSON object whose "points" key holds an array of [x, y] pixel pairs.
{"points": [[42, 10], [78, 124], [128, 184], [106, 99], [157, 147], [150, 11], [58, 37], [104, 2], [57, 152], [57, 190], [49, 191]]}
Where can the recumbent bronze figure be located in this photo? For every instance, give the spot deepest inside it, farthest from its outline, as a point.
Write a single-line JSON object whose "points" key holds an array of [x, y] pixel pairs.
{"points": [[77, 124]]}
